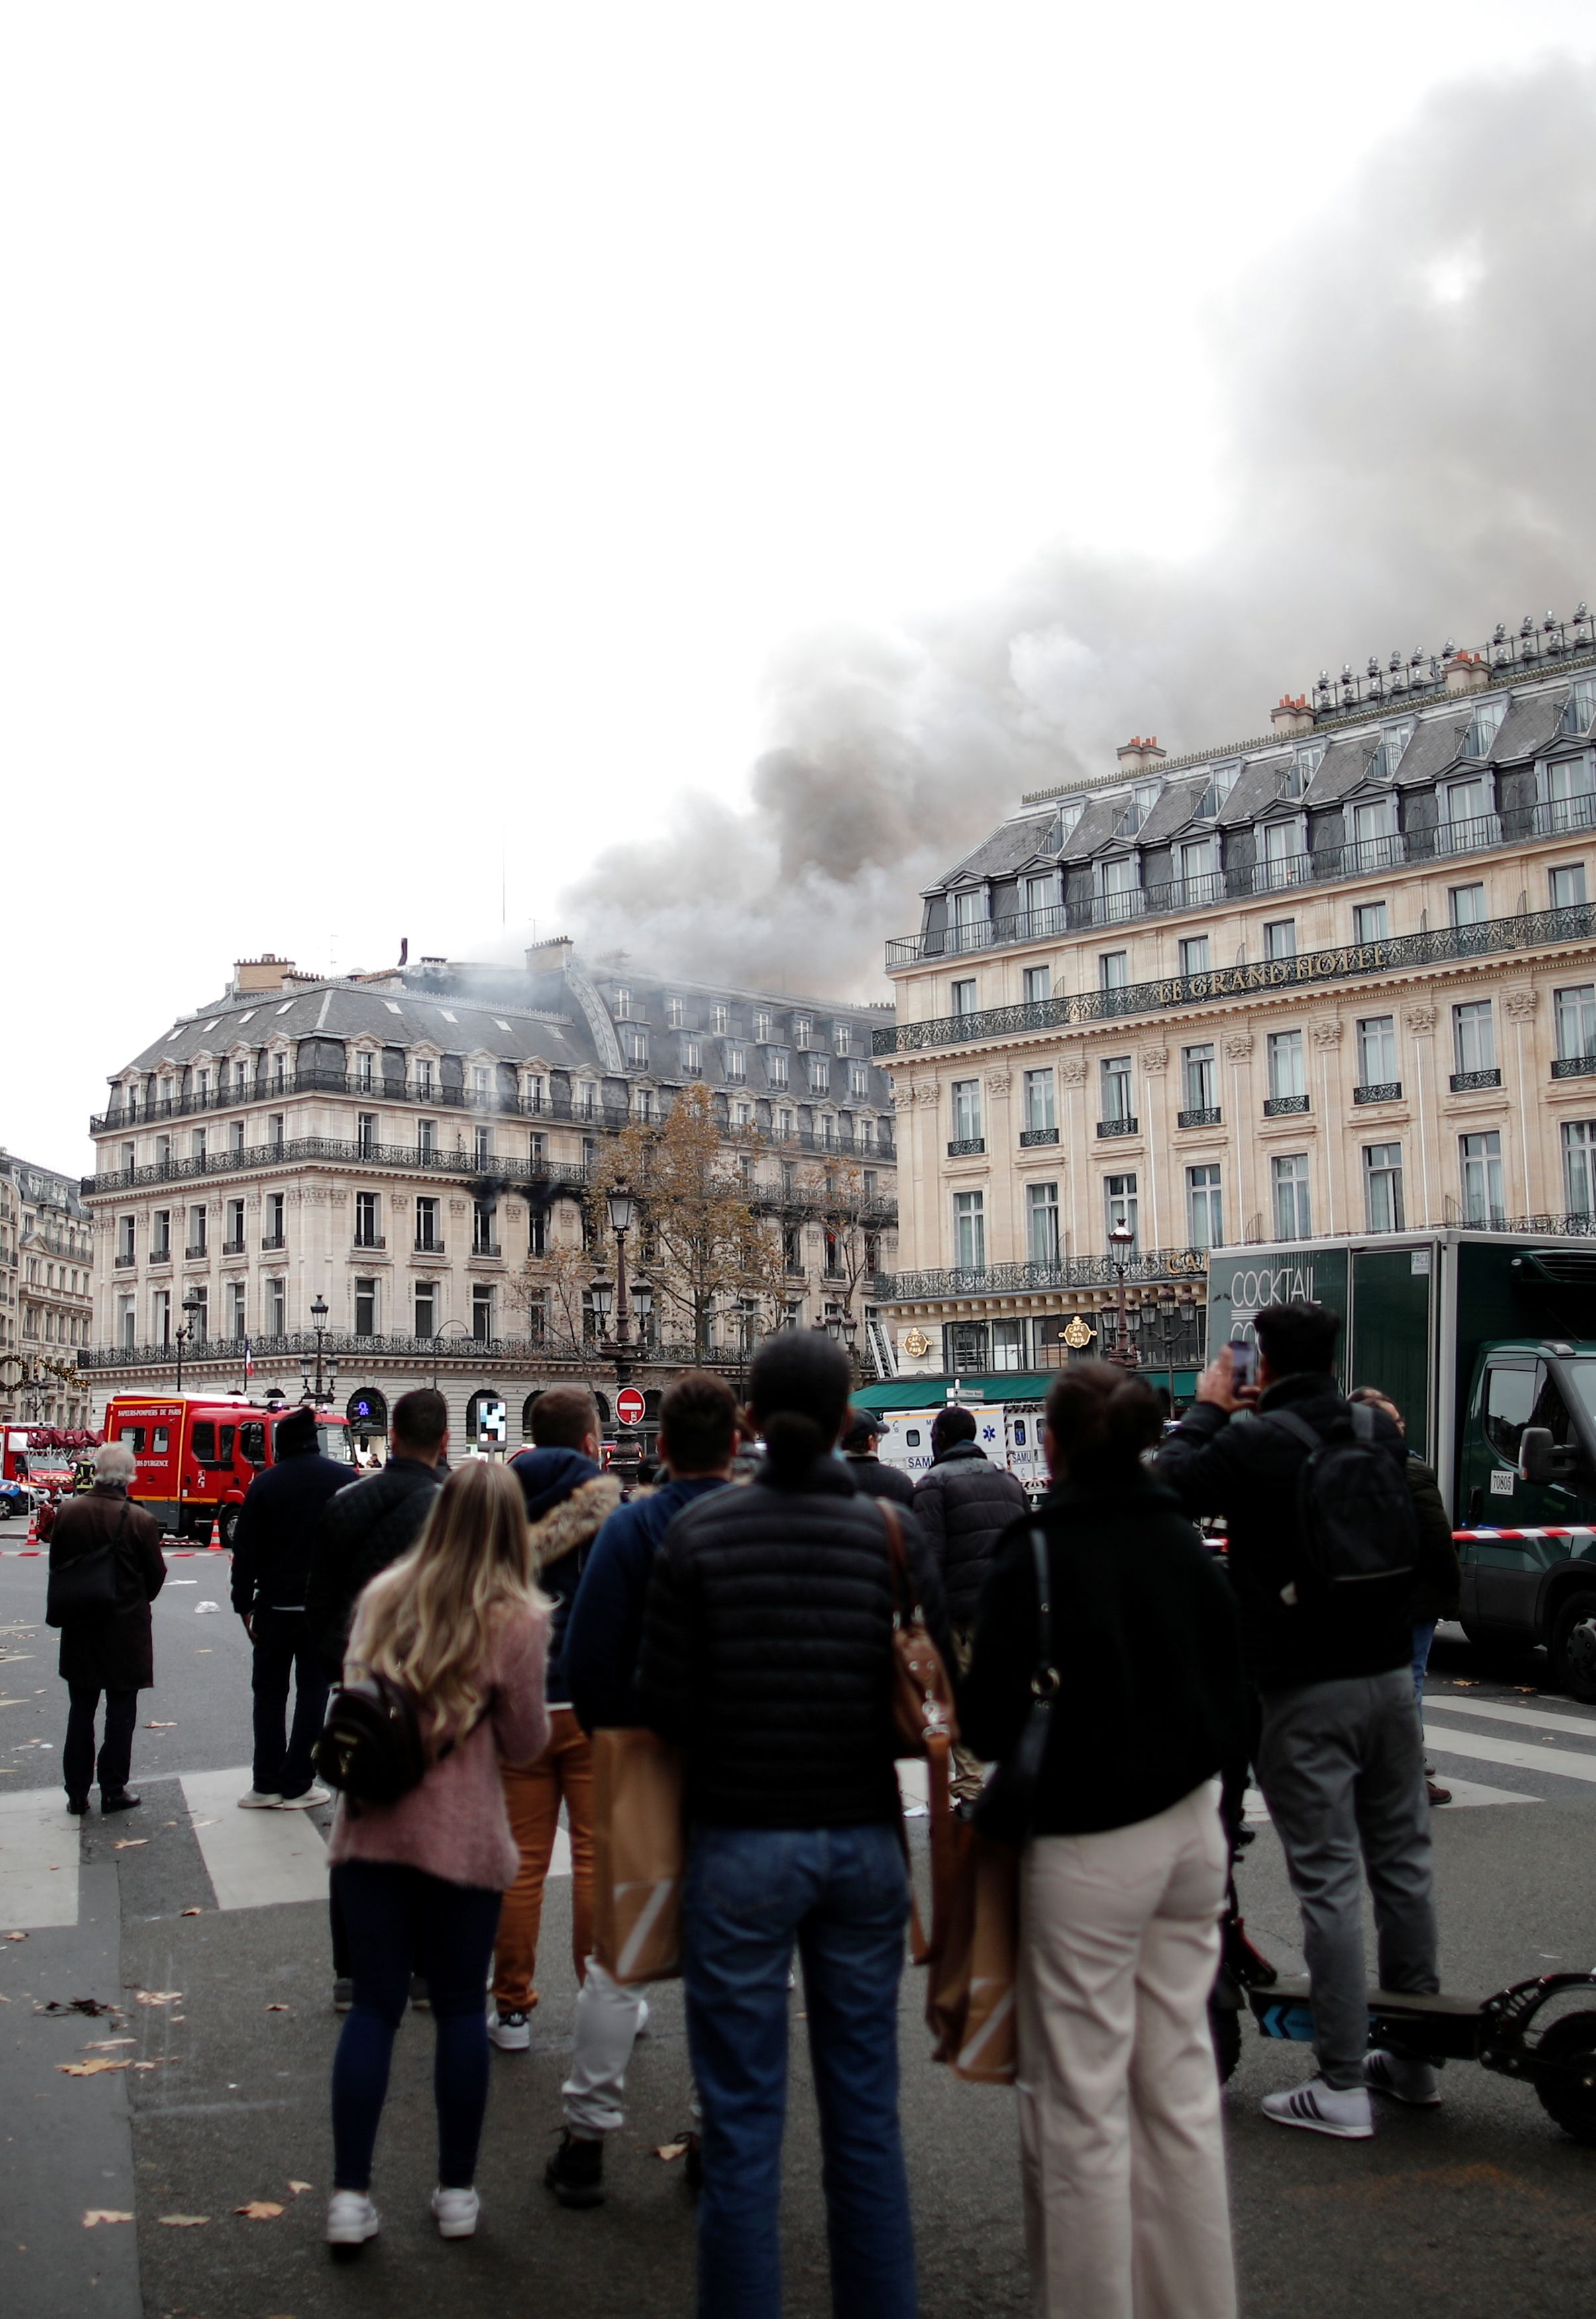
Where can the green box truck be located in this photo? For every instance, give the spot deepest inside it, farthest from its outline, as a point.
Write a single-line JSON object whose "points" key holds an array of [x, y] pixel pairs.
{"points": [[1486, 1342]]}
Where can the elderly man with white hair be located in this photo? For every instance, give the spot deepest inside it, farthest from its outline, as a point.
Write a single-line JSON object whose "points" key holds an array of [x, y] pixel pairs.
{"points": [[105, 1569]]}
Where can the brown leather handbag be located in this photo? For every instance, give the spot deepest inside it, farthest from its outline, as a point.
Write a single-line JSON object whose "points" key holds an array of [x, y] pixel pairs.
{"points": [[923, 1711]]}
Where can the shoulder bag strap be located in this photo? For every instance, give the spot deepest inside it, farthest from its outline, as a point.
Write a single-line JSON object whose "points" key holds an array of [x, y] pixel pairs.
{"points": [[1298, 1427], [906, 1605], [1044, 1682]]}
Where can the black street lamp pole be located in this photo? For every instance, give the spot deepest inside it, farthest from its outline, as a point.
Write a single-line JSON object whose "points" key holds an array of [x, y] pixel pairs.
{"points": [[183, 1332], [618, 1348], [444, 1332], [1121, 1240], [318, 1322]]}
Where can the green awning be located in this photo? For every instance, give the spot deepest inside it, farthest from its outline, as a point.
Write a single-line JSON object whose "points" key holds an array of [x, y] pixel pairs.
{"points": [[932, 1393]]}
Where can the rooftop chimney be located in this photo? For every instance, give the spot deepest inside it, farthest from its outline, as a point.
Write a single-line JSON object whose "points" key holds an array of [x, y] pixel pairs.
{"points": [[1292, 714], [1467, 672], [266, 972], [546, 955], [1138, 756]]}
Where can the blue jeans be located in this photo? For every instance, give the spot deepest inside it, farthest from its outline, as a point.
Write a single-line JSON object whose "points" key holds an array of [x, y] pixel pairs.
{"points": [[284, 1648], [841, 1895], [391, 1916], [1423, 1637]]}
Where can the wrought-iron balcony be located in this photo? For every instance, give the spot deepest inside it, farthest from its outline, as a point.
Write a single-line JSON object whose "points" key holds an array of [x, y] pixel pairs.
{"points": [[1204, 1115], [1031, 1136], [196, 1250], [272, 1240], [234, 1247], [485, 1247], [1283, 1107], [1242, 882], [1379, 1091], [161, 1255], [125, 1256], [1127, 1123], [370, 1239], [344, 1151], [965, 1147], [1574, 1066], [1064, 1272], [1440, 945], [1470, 1082]]}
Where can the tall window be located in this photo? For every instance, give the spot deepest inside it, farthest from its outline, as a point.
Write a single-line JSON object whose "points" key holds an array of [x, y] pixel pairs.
{"points": [[365, 1065], [481, 1311], [1037, 984], [858, 1080], [126, 1323], [1116, 1088], [196, 1231], [1579, 1167], [233, 1244], [426, 1303], [1566, 885], [842, 1038], [762, 1027], [1204, 1208], [197, 1144], [967, 1111], [1294, 1214], [200, 1318], [483, 1242], [276, 1307], [1114, 970], [365, 1133], [971, 926], [1195, 954], [1376, 1050], [964, 995], [1569, 790], [533, 1091], [675, 1014], [1383, 1187], [1120, 1205], [1465, 904], [1282, 863], [160, 1317], [819, 1074], [1120, 887], [692, 1056], [1580, 709], [737, 1063], [1575, 1012], [368, 1228], [970, 1231], [424, 1079], [125, 1229], [428, 1236], [366, 1308], [1474, 1037], [1040, 1112], [1040, 893], [271, 1216], [1199, 1076], [1479, 1166], [1041, 1222], [1288, 1065], [236, 1326], [803, 1031], [1371, 922], [235, 1135], [1280, 938]]}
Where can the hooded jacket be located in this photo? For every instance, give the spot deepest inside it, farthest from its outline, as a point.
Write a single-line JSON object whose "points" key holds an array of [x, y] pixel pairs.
{"points": [[568, 1501], [964, 1504], [604, 1632]]}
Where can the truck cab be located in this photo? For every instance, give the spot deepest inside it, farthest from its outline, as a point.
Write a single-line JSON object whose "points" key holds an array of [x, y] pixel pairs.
{"points": [[1526, 1504], [195, 1455]]}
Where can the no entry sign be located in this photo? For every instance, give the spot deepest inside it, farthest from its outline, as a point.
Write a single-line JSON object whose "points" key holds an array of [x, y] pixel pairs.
{"points": [[629, 1406]]}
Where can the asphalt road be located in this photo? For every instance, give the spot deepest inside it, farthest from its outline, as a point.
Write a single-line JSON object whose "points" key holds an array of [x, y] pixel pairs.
{"points": [[1482, 2210]]}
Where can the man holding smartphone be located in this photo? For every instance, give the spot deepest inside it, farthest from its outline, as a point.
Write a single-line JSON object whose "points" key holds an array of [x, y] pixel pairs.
{"points": [[1340, 1759]]}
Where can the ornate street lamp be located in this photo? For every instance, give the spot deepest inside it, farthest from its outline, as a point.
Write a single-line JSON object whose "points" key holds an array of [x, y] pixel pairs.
{"points": [[318, 1322], [1121, 1240], [184, 1331], [437, 1335], [622, 1209]]}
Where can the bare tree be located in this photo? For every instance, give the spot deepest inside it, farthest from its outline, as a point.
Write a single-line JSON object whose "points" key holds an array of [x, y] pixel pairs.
{"points": [[834, 1191]]}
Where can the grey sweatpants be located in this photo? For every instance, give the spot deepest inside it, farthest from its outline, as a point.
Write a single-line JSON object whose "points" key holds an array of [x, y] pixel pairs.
{"points": [[1341, 1765]]}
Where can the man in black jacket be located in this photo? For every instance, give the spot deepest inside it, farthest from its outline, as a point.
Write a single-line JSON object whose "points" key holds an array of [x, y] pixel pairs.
{"points": [[373, 1521], [272, 1542], [876, 1479], [964, 1503], [1341, 1757]]}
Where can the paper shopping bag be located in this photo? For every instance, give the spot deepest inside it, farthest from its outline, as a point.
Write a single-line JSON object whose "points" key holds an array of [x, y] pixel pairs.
{"points": [[639, 1855]]}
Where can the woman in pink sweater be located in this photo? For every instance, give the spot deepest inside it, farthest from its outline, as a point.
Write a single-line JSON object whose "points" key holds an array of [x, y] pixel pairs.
{"points": [[458, 1622]]}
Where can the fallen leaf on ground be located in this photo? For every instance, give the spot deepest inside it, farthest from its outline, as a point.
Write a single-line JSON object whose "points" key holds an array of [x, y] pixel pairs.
{"points": [[103, 2045], [670, 2150], [88, 2068], [183, 2222], [1465, 1682], [160, 1727], [202, 1823], [191, 1912], [16, 1937], [1527, 1689], [91, 2007], [103, 2214], [276, 2008], [130, 1843], [159, 1996], [297, 2186], [259, 2210], [147, 2065]]}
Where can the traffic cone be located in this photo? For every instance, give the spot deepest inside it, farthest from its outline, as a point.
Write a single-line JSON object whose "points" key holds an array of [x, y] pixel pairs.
{"points": [[32, 1537], [216, 1534]]}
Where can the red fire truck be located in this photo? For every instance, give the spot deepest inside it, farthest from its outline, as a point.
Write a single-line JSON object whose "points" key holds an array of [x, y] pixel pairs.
{"points": [[196, 1454]]}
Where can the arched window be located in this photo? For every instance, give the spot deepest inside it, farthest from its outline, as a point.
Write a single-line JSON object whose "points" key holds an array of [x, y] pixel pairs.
{"points": [[485, 1407], [367, 1413]]}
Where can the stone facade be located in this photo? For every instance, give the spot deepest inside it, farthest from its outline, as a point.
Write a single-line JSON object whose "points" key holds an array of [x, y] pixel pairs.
{"points": [[47, 1302]]}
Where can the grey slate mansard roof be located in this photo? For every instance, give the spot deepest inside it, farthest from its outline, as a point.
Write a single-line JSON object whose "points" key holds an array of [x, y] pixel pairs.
{"points": [[1534, 709], [561, 1019], [44, 1186]]}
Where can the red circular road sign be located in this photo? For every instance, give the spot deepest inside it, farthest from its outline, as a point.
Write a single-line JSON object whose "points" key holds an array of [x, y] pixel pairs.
{"points": [[629, 1406]]}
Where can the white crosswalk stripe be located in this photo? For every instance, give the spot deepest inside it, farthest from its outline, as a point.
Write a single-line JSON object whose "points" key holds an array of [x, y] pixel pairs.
{"points": [[1520, 1754], [39, 1849]]}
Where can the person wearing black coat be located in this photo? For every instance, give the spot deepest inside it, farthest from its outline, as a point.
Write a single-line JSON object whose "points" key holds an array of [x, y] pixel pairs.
{"points": [[272, 1543], [1437, 1581], [1123, 1879], [964, 1503], [111, 1651], [768, 1658], [871, 1473], [371, 1522]]}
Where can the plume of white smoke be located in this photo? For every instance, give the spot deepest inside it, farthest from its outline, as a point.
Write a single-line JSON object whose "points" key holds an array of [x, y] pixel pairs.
{"points": [[1406, 398]]}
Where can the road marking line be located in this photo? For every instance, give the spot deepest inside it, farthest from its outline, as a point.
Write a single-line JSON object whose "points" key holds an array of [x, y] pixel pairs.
{"points": [[1465, 1795], [39, 1850], [254, 1859], [1516, 1752], [1537, 1718]]}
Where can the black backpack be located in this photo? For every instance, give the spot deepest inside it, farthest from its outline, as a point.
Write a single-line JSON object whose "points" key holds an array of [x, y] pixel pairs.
{"points": [[371, 1746], [1356, 1523]]}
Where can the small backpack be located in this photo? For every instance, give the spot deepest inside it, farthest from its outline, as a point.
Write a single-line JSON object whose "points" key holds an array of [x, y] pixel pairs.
{"points": [[371, 1746], [1356, 1522]]}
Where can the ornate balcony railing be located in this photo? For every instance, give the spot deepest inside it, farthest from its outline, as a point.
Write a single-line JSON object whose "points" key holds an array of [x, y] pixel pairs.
{"points": [[1283, 1107], [1441, 945], [340, 1150], [529, 1354], [1574, 1066], [1067, 1272], [1031, 1136], [965, 1147], [1552, 817], [1470, 1082], [1126, 1124], [1209, 1116], [1379, 1091]]}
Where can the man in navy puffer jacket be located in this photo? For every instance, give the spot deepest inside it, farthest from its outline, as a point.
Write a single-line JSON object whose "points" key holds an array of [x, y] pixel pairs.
{"points": [[603, 1640]]}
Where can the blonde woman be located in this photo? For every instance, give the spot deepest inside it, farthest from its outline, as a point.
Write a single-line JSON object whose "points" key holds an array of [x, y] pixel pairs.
{"points": [[459, 1622]]}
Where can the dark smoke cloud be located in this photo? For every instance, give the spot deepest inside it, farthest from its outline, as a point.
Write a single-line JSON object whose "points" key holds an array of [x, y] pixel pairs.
{"points": [[1406, 398]]}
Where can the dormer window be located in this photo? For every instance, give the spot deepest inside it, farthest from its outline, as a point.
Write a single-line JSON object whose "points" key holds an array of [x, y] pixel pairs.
{"points": [[1580, 714], [692, 1056], [763, 1026], [802, 1031], [675, 1014], [843, 1037], [1065, 822], [1222, 781], [1389, 755], [622, 1003], [1119, 888], [720, 1019], [1483, 728], [1144, 797]]}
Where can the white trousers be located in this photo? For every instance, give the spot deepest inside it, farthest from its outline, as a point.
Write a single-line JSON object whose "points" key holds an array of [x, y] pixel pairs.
{"points": [[1127, 2215], [607, 2021]]}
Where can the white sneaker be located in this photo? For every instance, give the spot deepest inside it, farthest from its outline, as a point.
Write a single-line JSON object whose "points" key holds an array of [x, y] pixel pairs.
{"points": [[456, 2212], [258, 1799], [1401, 2077], [308, 1801], [1323, 2109], [351, 2218], [510, 2032], [642, 2028]]}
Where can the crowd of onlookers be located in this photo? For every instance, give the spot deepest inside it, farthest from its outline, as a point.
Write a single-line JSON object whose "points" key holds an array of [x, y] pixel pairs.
{"points": [[519, 1610]]}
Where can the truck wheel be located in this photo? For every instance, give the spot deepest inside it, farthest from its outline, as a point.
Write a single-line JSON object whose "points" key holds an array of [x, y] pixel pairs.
{"points": [[1573, 1646], [1573, 2103], [1225, 2027], [229, 1523]]}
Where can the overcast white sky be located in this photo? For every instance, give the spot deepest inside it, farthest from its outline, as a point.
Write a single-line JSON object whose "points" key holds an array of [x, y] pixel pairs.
{"points": [[425, 430]]}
